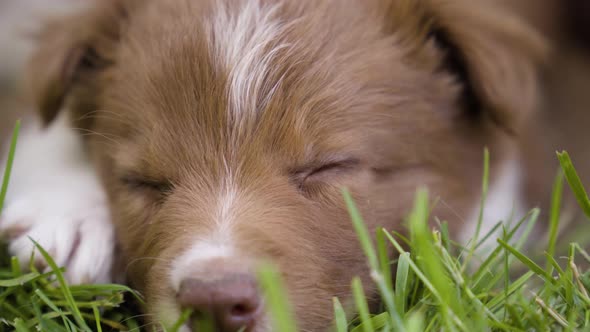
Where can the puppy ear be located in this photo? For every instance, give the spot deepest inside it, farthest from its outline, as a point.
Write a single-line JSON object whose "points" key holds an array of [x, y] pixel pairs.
{"points": [[53, 68], [71, 54], [491, 53]]}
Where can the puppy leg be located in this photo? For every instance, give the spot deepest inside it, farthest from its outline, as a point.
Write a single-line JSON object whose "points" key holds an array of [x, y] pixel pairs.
{"points": [[55, 198]]}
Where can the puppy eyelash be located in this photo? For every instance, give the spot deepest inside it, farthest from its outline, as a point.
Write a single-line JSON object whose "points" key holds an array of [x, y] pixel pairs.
{"points": [[302, 175], [139, 183], [337, 165]]}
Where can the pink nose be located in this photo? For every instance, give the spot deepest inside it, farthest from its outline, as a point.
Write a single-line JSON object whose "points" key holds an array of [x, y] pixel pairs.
{"points": [[233, 301]]}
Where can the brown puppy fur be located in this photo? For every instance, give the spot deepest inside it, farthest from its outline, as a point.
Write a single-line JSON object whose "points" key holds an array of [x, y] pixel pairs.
{"points": [[191, 136]]}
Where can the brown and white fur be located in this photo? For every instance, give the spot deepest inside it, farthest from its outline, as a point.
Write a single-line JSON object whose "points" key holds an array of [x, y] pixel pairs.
{"points": [[222, 133], [54, 195]]}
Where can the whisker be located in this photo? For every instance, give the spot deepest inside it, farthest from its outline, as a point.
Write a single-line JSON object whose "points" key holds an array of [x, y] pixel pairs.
{"points": [[136, 316], [88, 132], [104, 114], [141, 259], [139, 328], [453, 210]]}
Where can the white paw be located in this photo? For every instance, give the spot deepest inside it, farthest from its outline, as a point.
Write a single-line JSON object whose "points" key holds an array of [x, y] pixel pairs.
{"points": [[56, 199], [79, 238]]}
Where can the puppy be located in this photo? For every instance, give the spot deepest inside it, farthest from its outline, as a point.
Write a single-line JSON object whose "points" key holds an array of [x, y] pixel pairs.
{"points": [[224, 131]]}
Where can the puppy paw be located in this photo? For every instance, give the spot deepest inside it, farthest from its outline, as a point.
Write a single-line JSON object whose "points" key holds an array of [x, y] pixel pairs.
{"points": [[55, 198], [74, 227]]}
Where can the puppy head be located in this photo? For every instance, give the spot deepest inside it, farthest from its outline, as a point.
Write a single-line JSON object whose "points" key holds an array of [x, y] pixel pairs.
{"points": [[224, 132]]}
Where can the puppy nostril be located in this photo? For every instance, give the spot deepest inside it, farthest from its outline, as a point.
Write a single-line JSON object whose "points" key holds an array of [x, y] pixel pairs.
{"points": [[239, 310], [232, 302]]}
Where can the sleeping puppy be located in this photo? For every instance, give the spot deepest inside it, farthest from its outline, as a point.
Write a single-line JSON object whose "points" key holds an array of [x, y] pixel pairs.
{"points": [[223, 131]]}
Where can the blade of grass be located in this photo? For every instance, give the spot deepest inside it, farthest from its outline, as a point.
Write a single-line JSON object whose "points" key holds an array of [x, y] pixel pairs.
{"points": [[425, 280], [484, 194], [445, 236], [278, 305], [361, 304], [560, 320], [574, 181], [489, 234], [53, 307], [107, 322], [42, 321], [530, 225], [380, 323], [9, 162], [20, 326], [205, 322], [430, 259], [64, 287], [506, 264], [514, 287], [525, 260], [361, 231], [15, 267], [401, 282], [416, 323], [384, 262], [96, 313], [339, 316], [551, 260], [184, 317], [554, 214], [494, 256], [19, 281], [377, 265]]}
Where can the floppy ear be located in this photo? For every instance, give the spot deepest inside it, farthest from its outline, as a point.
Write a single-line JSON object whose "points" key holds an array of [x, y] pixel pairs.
{"points": [[72, 53], [491, 53]]}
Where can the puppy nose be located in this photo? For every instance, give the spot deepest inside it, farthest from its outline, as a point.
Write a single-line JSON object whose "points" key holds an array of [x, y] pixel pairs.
{"points": [[233, 301]]}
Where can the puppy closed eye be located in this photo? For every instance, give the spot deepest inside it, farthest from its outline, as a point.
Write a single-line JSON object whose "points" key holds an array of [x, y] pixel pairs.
{"points": [[146, 185], [323, 172]]}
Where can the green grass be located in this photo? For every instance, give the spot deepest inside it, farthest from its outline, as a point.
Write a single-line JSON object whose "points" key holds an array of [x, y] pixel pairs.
{"points": [[437, 286]]}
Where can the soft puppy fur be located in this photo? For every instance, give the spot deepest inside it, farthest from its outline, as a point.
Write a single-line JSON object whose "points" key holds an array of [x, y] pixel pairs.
{"points": [[223, 131], [54, 195]]}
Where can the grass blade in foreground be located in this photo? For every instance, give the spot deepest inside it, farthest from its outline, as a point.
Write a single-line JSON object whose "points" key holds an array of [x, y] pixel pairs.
{"points": [[554, 217], [64, 288], [184, 317], [361, 231], [361, 305], [339, 316], [379, 270], [574, 181], [484, 194], [429, 259], [276, 299], [8, 169]]}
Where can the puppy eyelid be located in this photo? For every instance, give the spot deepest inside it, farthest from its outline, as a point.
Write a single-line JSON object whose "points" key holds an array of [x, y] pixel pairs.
{"points": [[137, 182], [304, 173], [333, 165]]}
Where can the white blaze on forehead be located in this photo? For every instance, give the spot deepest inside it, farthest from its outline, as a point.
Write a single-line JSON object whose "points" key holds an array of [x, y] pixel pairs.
{"points": [[245, 42], [218, 243], [226, 206]]}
